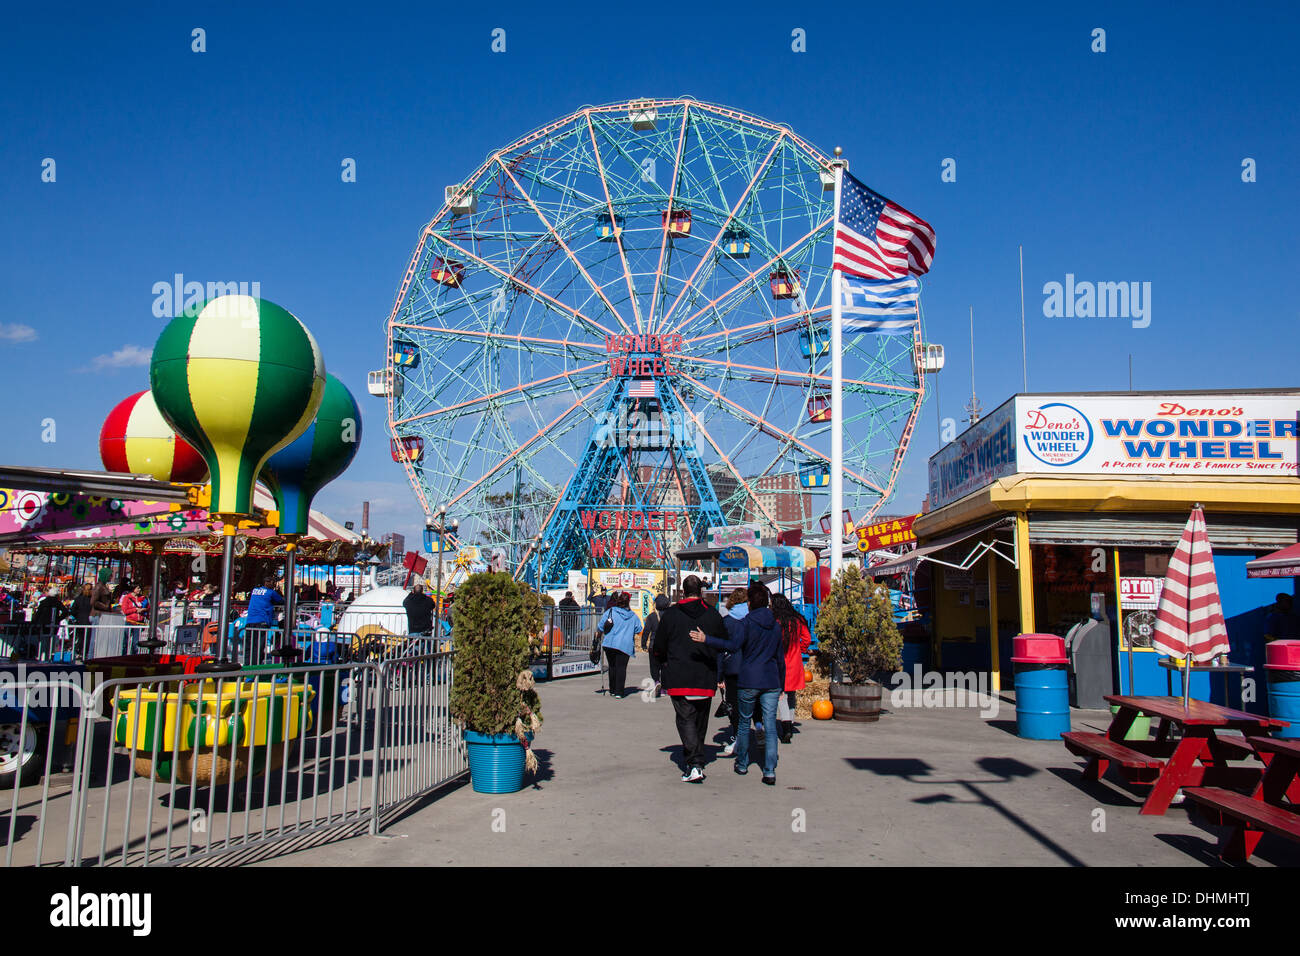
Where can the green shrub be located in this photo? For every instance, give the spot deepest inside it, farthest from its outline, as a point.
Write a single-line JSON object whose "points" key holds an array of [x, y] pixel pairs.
{"points": [[856, 629], [492, 688]]}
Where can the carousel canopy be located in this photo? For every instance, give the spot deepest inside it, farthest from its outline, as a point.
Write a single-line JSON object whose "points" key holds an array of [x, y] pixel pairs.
{"points": [[140, 524]]}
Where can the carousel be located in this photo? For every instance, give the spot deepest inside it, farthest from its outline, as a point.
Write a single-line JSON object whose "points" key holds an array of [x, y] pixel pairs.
{"points": [[210, 477]]}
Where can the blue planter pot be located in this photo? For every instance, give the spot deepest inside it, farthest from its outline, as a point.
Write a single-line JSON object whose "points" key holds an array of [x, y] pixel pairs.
{"points": [[496, 762]]}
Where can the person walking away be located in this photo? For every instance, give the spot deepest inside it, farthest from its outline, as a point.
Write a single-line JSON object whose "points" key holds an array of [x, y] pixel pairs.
{"points": [[648, 638], [688, 670], [619, 625], [729, 663], [568, 617], [419, 610], [796, 637], [761, 678]]}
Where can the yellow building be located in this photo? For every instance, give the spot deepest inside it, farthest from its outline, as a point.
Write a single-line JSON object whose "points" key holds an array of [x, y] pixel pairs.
{"points": [[1047, 509]]}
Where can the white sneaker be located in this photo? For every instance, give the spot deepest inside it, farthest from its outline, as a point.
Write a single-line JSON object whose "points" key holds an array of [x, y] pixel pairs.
{"points": [[695, 776], [730, 749]]}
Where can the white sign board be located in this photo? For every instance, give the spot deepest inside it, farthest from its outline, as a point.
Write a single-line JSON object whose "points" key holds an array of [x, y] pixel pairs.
{"points": [[1158, 435], [1140, 593], [1198, 434]]}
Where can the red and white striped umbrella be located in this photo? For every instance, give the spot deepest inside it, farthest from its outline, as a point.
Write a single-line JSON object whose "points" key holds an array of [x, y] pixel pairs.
{"points": [[1189, 621]]}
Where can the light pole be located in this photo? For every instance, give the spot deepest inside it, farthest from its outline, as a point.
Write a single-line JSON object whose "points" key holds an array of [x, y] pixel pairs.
{"points": [[539, 548], [441, 529]]}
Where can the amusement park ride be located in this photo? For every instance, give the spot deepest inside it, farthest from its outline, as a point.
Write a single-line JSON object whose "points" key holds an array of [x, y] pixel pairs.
{"points": [[627, 312]]}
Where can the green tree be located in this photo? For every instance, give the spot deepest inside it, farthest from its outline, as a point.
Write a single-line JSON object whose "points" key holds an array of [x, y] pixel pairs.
{"points": [[856, 629], [496, 621]]}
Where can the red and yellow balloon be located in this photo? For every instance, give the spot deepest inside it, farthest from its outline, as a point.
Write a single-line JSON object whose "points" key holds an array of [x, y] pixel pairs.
{"points": [[137, 440]]}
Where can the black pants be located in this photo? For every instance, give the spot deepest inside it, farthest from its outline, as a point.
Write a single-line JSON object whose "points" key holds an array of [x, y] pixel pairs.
{"points": [[654, 662], [692, 726], [617, 670]]}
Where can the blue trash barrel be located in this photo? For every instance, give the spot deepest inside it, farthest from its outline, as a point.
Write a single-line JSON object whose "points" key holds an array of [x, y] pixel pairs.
{"points": [[1282, 662], [1042, 686]]}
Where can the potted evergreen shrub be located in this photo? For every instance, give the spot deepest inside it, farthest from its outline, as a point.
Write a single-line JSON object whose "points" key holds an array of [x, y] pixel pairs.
{"points": [[856, 633], [492, 693]]}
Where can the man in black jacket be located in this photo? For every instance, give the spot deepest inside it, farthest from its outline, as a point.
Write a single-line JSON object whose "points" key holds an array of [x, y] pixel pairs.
{"points": [[419, 611], [688, 670]]}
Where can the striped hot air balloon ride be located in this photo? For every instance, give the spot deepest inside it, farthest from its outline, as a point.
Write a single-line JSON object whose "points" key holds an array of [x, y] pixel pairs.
{"points": [[137, 439], [239, 378], [315, 458]]}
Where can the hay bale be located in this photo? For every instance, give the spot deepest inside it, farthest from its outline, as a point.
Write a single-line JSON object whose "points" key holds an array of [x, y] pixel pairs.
{"points": [[819, 688]]}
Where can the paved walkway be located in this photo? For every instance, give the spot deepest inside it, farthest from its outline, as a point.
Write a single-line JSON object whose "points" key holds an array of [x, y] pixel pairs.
{"points": [[921, 787]]}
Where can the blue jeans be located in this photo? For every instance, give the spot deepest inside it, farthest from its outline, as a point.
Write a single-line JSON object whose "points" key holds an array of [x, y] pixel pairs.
{"points": [[766, 700]]}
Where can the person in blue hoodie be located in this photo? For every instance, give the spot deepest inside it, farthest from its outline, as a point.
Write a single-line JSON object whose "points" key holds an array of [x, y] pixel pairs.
{"points": [[620, 627], [729, 663], [761, 679]]}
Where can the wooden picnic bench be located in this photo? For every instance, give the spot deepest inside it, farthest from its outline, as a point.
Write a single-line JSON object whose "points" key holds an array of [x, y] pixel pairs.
{"points": [[1273, 807], [1166, 765]]}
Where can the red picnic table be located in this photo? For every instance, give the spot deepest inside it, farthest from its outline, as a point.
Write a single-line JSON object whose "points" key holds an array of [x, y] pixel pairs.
{"points": [[1273, 807], [1199, 758]]}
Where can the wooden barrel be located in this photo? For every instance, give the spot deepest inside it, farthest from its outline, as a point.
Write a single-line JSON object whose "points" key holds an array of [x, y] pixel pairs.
{"points": [[859, 702]]}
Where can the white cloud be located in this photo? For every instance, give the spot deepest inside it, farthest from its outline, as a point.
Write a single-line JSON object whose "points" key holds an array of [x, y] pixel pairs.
{"points": [[128, 356], [16, 332]]}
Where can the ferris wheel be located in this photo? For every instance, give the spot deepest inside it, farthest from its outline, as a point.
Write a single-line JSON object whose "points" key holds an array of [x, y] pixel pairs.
{"points": [[627, 312]]}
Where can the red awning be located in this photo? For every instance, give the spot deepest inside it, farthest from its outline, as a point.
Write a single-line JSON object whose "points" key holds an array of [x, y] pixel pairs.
{"points": [[1279, 564]]}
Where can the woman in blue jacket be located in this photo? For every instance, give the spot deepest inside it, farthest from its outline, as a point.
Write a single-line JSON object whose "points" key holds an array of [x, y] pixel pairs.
{"points": [[761, 678], [620, 627]]}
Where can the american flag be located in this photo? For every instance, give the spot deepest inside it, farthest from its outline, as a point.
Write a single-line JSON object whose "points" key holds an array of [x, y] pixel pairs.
{"points": [[642, 388], [878, 239], [888, 307]]}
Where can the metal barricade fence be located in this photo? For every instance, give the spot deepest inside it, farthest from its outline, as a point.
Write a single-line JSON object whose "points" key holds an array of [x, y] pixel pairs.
{"points": [[576, 627], [41, 709], [70, 642], [170, 769], [421, 749]]}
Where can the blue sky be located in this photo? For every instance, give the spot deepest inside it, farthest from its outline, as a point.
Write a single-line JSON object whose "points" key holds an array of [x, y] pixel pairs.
{"points": [[224, 166]]}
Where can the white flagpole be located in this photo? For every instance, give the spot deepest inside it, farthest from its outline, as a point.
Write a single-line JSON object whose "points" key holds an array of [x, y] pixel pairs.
{"points": [[837, 401]]}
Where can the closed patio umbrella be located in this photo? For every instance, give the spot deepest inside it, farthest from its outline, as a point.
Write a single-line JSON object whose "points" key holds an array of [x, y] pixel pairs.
{"points": [[1189, 621]]}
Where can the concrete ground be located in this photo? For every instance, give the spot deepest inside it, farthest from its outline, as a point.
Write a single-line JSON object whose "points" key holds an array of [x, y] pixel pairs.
{"points": [[920, 787]]}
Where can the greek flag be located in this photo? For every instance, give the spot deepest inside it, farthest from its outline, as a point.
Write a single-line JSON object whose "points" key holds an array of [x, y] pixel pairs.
{"points": [[874, 306]]}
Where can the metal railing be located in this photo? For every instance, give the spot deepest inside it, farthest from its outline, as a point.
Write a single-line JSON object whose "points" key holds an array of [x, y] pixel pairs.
{"points": [[570, 629], [171, 768], [69, 642]]}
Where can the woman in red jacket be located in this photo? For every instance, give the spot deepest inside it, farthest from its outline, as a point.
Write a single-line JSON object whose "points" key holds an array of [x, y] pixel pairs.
{"points": [[796, 638]]}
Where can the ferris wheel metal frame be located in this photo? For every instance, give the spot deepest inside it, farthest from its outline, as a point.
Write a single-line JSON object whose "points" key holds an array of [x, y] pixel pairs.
{"points": [[561, 244]]}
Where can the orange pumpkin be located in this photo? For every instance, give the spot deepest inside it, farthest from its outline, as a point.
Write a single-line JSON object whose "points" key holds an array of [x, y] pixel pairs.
{"points": [[807, 674], [557, 640], [822, 709]]}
